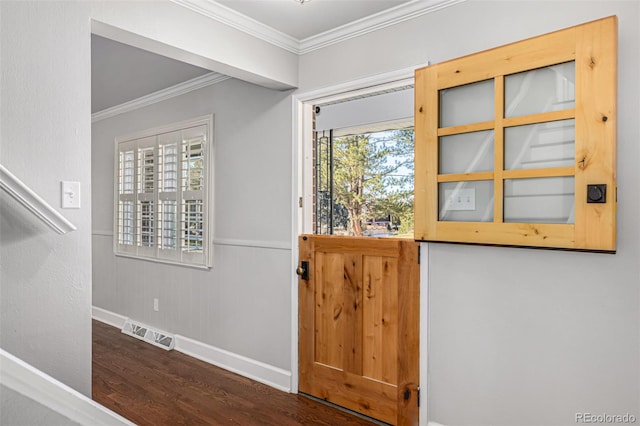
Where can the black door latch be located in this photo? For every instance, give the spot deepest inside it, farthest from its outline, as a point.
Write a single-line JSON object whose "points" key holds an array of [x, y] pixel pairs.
{"points": [[303, 270]]}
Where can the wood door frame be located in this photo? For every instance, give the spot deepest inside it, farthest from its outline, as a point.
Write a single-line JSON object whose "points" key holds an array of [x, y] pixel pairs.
{"points": [[302, 190]]}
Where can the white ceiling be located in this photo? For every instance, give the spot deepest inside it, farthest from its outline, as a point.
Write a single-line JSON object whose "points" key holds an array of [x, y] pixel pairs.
{"points": [[121, 73], [302, 21]]}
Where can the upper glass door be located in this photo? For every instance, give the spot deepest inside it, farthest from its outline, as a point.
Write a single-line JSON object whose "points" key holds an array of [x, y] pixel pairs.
{"points": [[508, 142]]}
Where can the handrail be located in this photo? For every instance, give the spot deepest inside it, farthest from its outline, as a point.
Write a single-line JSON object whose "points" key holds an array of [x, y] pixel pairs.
{"points": [[46, 391], [32, 202]]}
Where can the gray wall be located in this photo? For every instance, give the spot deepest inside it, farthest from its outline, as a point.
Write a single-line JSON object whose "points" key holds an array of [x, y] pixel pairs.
{"points": [[45, 278], [520, 336], [243, 304], [19, 410], [45, 137]]}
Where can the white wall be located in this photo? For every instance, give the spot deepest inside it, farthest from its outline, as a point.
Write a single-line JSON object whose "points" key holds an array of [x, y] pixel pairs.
{"points": [[521, 336], [243, 303], [174, 31], [45, 136]]}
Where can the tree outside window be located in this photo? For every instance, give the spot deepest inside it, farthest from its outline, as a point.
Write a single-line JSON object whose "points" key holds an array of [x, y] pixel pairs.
{"points": [[364, 184]]}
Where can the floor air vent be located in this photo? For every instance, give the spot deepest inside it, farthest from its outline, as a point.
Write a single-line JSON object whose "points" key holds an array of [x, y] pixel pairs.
{"points": [[148, 334]]}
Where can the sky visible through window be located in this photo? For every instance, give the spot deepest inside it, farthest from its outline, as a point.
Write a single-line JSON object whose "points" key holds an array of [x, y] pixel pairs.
{"points": [[364, 184]]}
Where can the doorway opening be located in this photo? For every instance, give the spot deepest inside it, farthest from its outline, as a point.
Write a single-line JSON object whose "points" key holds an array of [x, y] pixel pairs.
{"points": [[370, 106], [349, 284]]}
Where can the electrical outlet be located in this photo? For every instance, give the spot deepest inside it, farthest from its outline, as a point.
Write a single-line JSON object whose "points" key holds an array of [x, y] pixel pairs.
{"points": [[155, 305]]}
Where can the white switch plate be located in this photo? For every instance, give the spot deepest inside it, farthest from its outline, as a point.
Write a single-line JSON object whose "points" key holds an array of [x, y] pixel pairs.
{"points": [[460, 199], [70, 195]]}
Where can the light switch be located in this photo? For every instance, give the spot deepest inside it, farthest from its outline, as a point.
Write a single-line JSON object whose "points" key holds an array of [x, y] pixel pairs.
{"points": [[70, 195], [460, 199]]}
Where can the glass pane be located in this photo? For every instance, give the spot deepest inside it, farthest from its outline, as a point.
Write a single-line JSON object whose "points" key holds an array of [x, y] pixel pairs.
{"points": [[467, 152], [471, 103], [125, 223], [325, 211], [192, 225], [168, 161], [167, 234], [466, 201], [539, 200], [545, 89], [146, 170], [126, 171], [192, 164], [541, 145], [146, 223]]}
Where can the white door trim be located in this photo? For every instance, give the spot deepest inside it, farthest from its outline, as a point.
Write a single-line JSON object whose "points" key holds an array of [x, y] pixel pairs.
{"points": [[302, 189]]}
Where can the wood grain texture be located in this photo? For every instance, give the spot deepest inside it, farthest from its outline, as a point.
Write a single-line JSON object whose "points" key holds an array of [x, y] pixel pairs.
{"points": [[426, 163], [596, 68], [422, 165], [151, 386], [329, 306], [538, 173], [465, 128], [380, 323], [409, 335], [464, 177], [542, 117], [592, 46], [353, 309], [536, 52], [535, 234], [353, 353], [498, 150]]}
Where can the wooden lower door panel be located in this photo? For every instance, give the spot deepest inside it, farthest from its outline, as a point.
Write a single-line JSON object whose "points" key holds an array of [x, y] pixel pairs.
{"points": [[359, 333], [370, 397]]}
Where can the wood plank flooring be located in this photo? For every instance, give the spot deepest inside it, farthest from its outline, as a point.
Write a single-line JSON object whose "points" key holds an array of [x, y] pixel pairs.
{"points": [[151, 386]]}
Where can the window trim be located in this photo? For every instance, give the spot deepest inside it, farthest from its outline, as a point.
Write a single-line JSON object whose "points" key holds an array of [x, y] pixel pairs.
{"points": [[208, 192]]}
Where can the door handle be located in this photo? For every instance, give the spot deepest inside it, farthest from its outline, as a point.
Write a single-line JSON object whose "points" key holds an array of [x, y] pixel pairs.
{"points": [[303, 270]]}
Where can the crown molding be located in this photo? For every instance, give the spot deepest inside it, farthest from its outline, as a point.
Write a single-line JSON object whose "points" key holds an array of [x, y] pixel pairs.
{"points": [[386, 18], [377, 21], [161, 95], [237, 20]]}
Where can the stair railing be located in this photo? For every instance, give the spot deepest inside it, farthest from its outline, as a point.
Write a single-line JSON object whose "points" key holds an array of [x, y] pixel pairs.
{"points": [[33, 202]]}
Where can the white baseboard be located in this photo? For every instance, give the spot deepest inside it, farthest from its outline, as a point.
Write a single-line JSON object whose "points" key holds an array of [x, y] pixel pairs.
{"points": [[108, 317], [256, 370], [247, 367]]}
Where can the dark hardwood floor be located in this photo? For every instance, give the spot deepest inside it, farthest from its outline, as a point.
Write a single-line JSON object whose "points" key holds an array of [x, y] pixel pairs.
{"points": [[151, 386]]}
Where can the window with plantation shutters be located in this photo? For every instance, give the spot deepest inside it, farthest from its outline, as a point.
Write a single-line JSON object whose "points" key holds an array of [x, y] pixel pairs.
{"points": [[163, 193]]}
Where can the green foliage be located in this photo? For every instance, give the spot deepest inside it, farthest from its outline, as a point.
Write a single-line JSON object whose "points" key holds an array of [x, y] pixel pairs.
{"points": [[373, 178]]}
